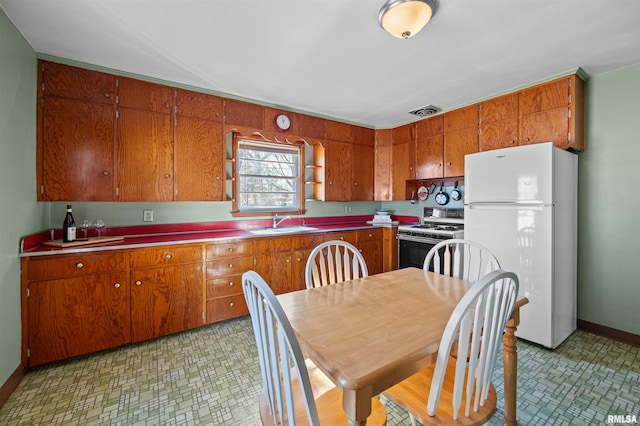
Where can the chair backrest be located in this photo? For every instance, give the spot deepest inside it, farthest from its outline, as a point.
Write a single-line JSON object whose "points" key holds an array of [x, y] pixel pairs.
{"points": [[279, 353], [462, 259], [477, 324], [334, 262]]}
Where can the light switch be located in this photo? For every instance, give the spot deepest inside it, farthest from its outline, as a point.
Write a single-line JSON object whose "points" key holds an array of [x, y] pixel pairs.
{"points": [[147, 215]]}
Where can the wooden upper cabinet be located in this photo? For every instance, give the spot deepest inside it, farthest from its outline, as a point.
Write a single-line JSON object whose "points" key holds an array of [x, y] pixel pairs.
{"points": [[144, 95], [363, 136], [499, 122], [382, 174], [553, 112], [78, 150], [337, 171], [430, 148], [461, 118], [198, 105], [312, 127], [243, 114], [402, 159], [456, 146], [337, 131], [77, 83], [362, 162]]}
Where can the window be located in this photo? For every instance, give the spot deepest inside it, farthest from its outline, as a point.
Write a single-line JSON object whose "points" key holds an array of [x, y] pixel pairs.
{"points": [[268, 177]]}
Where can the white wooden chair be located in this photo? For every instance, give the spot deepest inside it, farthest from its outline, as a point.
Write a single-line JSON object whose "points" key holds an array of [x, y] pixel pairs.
{"points": [[334, 262], [462, 259], [294, 392], [459, 391]]}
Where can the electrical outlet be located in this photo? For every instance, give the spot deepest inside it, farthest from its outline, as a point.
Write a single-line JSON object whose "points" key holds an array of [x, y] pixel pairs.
{"points": [[347, 209], [147, 215]]}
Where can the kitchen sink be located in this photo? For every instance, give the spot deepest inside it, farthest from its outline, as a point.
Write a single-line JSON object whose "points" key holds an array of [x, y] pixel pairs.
{"points": [[281, 230]]}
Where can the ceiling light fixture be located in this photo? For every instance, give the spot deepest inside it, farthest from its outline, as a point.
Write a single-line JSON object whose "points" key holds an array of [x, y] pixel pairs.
{"points": [[405, 18]]}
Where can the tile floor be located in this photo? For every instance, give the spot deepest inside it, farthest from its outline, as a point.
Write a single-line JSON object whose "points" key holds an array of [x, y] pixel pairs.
{"points": [[210, 376]]}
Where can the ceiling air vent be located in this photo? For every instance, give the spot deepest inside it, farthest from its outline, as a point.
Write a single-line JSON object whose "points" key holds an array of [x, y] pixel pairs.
{"points": [[425, 110]]}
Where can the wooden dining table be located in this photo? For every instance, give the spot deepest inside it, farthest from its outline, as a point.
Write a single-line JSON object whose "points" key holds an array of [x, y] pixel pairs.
{"points": [[370, 333]]}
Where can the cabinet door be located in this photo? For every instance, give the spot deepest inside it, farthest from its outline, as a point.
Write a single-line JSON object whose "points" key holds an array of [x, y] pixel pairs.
{"points": [[75, 316], [461, 118], [373, 256], [276, 269], [198, 105], [544, 97], [199, 160], [383, 161], [145, 154], [456, 146], [145, 95], [337, 171], [165, 300], [300, 257], [78, 149], [362, 171], [78, 83], [499, 134], [546, 126], [402, 169], [429, 157], [498, 109]]}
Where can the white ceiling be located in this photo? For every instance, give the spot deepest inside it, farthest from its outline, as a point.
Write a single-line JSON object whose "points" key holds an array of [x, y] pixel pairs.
{"points": [[330, 57]]}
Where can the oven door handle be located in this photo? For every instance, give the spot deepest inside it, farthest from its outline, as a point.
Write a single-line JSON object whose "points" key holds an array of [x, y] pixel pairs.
{"points": [[418, 239]]}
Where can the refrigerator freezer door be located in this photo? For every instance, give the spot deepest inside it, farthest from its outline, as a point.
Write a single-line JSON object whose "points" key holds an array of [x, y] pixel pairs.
{"points": [[518, 174], [521, 240]]}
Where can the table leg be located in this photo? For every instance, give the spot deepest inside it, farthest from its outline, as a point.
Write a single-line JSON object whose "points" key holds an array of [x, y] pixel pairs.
{"points": [[357, 405], [510, 359]]}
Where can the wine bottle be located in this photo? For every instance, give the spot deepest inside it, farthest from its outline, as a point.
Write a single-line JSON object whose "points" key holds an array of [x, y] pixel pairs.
{"points": [[69, 227]]}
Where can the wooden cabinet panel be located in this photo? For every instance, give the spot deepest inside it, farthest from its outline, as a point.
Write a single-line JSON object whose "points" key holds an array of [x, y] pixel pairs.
{"points": [[461, 118], [223, 287], [243, 114], [167, 255], [78, 150], [75, 316], [198, 105], [373, 255], [348, 236], [456, 146], [337, 171], [233, 266], [199, 160], [402, 169], [78, 83], [300, 258], [276, 269], [499, 134], [362, 172], [374, 234], [144, 95], [546, 126], [546, 96], [383, 161], [165, 300], [266, 245], [498, 109], [228, 307], [430, 157], [145, 156], [429, 127], [312, 127], [363, 136], [308, 241], [337, 131], [233, 249], [74, 265]]}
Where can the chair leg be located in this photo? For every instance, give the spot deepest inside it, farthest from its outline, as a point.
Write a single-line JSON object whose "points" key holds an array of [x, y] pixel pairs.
{"points": [[413, 420]]}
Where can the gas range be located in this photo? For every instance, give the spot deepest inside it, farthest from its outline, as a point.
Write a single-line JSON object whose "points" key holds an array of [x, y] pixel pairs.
{"points": [[437, 223]]}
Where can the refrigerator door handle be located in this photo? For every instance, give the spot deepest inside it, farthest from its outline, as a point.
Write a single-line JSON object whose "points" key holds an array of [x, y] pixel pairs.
{"points": [[529, 205]]}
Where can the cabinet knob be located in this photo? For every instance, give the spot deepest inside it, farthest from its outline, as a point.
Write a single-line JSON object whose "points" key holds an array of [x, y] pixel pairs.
{"points": [[107, 95], [79, 265], [526, 139], [217, 177], [138, 283], [168, 256], [230, 249], [288, 260], [448, 164], [231, 283], [231, 304], [299, 259], [330, 182], [231, 265], [166, 105], [370, 235], [167, 175], [512, 142], [117, 285], [342, 238], [355, 183], [105, 173]]}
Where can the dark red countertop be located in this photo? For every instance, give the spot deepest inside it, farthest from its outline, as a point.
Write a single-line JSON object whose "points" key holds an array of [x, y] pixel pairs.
{"points": [[157, 235]]}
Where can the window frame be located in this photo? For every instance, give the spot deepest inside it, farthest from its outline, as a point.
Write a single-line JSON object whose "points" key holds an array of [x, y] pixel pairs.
{"points": [[295, 210]]}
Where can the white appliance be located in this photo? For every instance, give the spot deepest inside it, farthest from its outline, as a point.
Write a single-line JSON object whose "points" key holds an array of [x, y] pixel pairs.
{"points": [[521, 203]]}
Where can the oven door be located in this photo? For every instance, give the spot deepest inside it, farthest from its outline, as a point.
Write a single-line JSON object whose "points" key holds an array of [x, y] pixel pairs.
{"points": [[413, 250]]}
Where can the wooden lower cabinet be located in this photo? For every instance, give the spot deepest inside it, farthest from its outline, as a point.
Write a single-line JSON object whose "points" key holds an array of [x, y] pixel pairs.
{"points": [[274, 262], [369, 242], [78, 315], [226, 262]]}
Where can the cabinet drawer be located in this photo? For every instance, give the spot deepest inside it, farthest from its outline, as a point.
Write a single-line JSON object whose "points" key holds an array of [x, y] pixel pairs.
{"points": [[369, 234], [44, 269], [223, 287], [225, 267], [229, 307], [309, 241], [348, 236], [165, 256], [229, 250], [264, 245]]}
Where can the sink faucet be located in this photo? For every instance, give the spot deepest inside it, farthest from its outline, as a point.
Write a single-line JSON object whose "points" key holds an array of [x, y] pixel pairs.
{"points": [[277, 222]]}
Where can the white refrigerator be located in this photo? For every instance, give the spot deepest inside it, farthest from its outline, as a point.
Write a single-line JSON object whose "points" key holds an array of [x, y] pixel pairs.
{"points": [[521, 203]]}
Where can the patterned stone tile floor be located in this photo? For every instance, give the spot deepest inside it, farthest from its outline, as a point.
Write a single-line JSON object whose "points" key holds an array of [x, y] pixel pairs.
{"points": [[210, 376]]}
